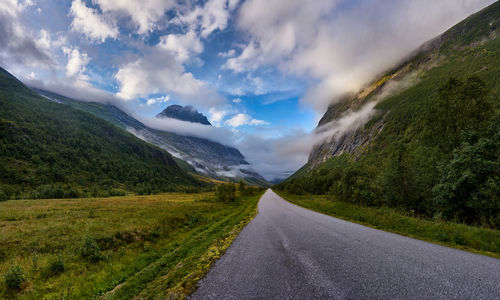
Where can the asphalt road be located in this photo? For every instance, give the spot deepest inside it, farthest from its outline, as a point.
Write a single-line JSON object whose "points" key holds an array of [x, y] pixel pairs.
{"points": [[288, 252]]}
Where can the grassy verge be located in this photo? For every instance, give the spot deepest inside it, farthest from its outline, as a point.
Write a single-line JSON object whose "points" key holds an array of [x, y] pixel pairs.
{"points": [[475, 239], [147, 246]]}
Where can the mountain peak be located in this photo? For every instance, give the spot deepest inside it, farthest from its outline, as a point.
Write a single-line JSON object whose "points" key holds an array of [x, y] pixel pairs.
{"points": [[184, 113]]}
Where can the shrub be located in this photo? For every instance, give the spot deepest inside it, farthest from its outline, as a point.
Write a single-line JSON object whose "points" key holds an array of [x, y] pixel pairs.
{"points": [[90, 250], [56, 266], [117, 192], [242, 187], [3, 254], [14, 277], [3, 196], [225, 192]]}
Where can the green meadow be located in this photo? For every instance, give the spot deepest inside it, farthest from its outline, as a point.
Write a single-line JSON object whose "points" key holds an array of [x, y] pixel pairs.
{"points": [[115, 248]]}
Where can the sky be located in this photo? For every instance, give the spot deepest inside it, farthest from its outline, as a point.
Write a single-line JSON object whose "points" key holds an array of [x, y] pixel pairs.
{"points": [[262, 71]]}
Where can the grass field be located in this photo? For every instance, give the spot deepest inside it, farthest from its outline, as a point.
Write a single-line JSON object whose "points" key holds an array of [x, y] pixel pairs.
{"points": [[154, 246], [476, 239]]}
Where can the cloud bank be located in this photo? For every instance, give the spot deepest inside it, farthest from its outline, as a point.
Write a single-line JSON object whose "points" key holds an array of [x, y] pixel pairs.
{"points": [[91, 23], [340, 51], [18, 45]]}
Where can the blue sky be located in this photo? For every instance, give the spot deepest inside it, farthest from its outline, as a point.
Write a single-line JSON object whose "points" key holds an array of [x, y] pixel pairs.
{"points": [[263, 71], [266, 94]]}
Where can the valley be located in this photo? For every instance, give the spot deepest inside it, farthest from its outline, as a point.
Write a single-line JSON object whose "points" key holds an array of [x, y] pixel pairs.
{"points": [[249, 149]]}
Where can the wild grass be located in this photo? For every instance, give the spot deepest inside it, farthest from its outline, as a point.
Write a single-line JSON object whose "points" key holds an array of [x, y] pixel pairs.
{"points": [[143, 245], [475, 239]]}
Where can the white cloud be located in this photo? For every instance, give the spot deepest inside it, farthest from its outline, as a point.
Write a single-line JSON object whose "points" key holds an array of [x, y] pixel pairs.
{"points": [[44, 41], [182, 45], [238, 120], [76, 61], [237, 100], [244, 119], [158, 71], [25, 4], [341, 51], [213, 16], [217, 134], [162, 99], [258, 122], [216, 115], [91, 23], [229, 53], [273, 157], [74, 87], [18, 47], [144, 13]]}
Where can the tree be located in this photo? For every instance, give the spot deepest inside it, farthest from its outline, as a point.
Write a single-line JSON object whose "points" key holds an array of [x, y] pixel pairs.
{"points": [[469, 188], [460, 106], [225, 192], [242, 187]]}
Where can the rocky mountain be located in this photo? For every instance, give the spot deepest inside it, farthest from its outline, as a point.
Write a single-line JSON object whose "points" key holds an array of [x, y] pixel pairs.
{"points": [[194, 154], [183, 113]]}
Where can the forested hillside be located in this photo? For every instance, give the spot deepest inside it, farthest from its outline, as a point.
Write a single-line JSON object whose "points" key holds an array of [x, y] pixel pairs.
{"points": [[430, 149], [50, 150]]}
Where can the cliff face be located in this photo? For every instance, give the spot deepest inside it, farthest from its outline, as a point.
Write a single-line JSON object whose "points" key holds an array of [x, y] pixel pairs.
{"points": [[363, 120]]}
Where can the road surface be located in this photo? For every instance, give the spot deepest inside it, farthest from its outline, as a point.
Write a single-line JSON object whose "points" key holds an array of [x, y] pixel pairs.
{"points": [[288, 252]]}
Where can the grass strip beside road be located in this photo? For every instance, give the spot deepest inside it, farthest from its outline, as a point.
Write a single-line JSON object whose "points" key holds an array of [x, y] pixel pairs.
{"points": [[475, 239], [175, 275]]}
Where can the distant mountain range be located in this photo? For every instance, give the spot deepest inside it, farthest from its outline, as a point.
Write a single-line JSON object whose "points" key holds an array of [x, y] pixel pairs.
{"points": [[194, 154]]}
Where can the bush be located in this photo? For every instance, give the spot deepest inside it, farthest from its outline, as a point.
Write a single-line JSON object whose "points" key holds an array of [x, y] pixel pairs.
{"points": [[90, 250], [242, 187], [14, 277], [225, 192], [56, 266], [117, 192], [3, 196], [3, 255]]}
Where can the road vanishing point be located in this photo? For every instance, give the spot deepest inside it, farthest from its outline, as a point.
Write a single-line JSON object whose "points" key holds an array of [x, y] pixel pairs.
{"points": [[288, 252]]}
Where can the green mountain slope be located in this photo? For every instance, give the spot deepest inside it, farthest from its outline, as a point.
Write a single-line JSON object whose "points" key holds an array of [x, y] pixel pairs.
{"points": [[53, 150], [431, 146]]}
